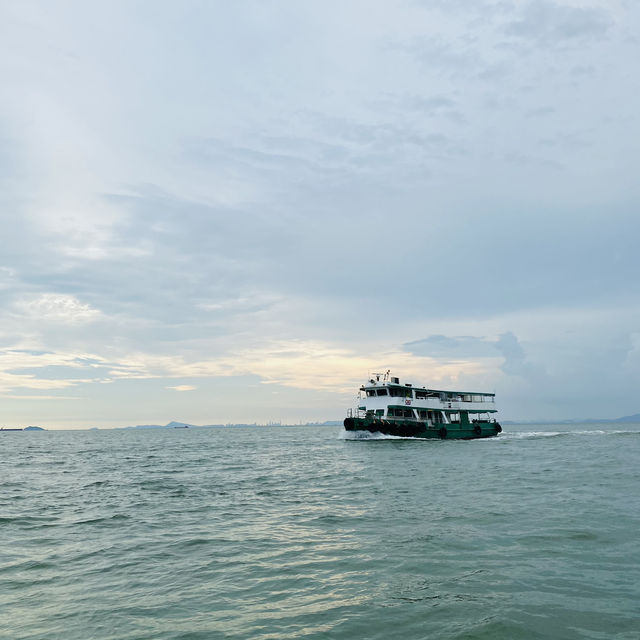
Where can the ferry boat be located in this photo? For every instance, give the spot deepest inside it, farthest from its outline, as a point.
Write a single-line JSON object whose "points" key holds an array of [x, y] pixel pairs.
{"points": [[391, 408]]}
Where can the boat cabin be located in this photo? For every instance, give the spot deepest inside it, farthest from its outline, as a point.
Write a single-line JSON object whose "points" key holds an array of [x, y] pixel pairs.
{"points": [[385, 398]]}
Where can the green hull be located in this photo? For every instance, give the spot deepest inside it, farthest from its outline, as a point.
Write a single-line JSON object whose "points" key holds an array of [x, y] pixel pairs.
{"points": [[412, 429]]}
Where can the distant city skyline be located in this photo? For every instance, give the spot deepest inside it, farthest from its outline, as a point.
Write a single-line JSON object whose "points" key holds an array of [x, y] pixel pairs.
{"points": [[235, 212]]}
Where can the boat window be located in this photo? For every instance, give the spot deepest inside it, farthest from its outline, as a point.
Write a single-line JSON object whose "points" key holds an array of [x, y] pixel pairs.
{"points": [[379, 413], [422, 414], [400, 392], [382, 392], [421, 395], [400, 413], [371, 392]]}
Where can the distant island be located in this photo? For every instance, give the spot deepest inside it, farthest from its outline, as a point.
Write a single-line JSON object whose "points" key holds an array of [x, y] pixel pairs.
{"points": [[635, 418], [21, 429], [182, 425]]}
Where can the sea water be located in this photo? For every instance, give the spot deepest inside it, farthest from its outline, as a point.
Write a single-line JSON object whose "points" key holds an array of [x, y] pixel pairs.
{"points": [[303, 532]]}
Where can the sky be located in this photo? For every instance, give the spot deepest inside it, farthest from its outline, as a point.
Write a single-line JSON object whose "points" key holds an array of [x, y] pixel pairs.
{"points": [[222, 212]]}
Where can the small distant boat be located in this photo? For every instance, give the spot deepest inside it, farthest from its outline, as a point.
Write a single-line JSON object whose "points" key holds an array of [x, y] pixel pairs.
{"points": [[181, 426], [385, 406], [3, 429]]}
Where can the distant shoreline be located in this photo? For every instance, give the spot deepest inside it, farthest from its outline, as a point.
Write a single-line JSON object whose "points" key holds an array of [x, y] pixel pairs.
{"points": [[632, 419]]}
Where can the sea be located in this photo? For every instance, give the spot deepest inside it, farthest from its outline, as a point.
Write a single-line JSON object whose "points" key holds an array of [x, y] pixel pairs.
{"points": [[304, 532]]}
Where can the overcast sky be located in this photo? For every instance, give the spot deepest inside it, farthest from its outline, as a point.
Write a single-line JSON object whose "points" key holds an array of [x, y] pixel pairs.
{"points": [[234, 211]]}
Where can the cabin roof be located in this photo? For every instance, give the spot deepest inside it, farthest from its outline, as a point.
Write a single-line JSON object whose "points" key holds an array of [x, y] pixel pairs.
{"points": [[376, 385]]}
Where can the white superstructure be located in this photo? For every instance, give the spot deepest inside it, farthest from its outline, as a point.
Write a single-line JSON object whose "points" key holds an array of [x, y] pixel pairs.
{"points": [[384, 398]]}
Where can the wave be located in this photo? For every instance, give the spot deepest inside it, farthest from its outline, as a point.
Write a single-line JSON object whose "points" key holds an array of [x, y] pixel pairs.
{"points": [[564, 434], [368, 435]]}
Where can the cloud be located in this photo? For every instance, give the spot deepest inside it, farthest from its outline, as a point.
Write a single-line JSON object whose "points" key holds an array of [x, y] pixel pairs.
{"points": [[440, 106], [29, 369], [443, 56], [541, 112], [555, 23], [7, 277], [183, 387], [41, 397], [582, 70], [439, 346], [57, 308], [469, 348], [516, 362]]}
